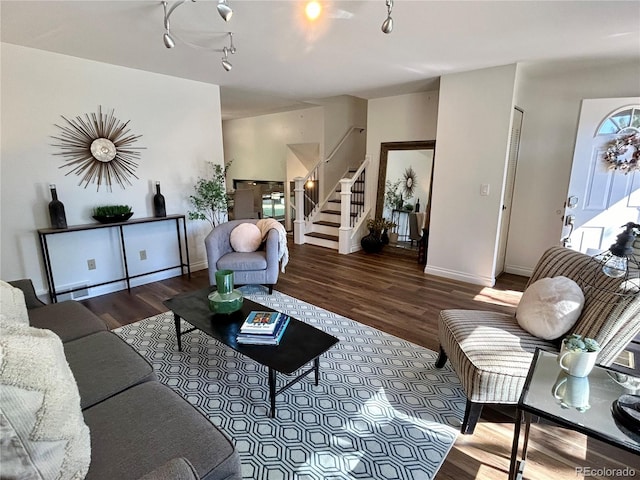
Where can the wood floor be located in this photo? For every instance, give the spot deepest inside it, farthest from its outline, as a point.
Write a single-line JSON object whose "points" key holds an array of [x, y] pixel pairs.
{"points": [[390, 292]]}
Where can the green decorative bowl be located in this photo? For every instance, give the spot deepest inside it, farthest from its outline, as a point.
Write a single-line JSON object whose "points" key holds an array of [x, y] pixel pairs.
{"points": [[225, 302]]}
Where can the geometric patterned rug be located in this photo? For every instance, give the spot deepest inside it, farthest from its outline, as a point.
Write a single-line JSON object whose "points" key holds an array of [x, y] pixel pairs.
{"points": [[381, 411]]}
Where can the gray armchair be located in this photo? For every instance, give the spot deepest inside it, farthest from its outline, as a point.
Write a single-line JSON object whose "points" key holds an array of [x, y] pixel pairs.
{"points": [[251, 268]]}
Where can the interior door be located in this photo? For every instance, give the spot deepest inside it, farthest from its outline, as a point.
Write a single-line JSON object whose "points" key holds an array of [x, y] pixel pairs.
{"points": [[510, 181], [599, 199]]}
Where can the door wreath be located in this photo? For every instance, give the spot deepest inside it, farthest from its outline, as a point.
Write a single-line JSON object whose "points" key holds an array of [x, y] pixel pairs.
{"points": [[618, 148]]}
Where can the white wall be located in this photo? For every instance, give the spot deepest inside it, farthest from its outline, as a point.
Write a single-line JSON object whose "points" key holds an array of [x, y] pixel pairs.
{"points": [[401, 118], [180, 124], [551, 99], [258, 145], [474, 119]]}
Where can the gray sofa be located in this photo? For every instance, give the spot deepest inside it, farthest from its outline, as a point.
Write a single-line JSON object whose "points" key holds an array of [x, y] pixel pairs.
{"points": [[139, 428]]}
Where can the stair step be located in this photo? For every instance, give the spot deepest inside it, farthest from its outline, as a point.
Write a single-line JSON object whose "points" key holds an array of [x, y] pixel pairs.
{"points": [[324, 236], [327, 224], [336, 212], [352, 202]]}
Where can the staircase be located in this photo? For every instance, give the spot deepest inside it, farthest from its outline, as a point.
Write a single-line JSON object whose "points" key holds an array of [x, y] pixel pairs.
{"points": [[324, 228]]}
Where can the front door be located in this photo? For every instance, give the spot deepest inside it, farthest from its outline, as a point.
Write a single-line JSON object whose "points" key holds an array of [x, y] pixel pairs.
{"points": [[601, 199]]}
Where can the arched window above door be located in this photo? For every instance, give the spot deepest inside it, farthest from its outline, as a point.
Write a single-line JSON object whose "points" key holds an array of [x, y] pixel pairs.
{"points": [[624, 120]]}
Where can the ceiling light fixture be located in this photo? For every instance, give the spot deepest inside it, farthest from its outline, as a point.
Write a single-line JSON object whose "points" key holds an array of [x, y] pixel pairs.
{"points": [[313, 10], [226, 64], [224, 10], [387, 25], [167, 38]]}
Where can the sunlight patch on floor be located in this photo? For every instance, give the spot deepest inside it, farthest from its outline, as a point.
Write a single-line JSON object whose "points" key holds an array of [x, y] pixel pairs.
{"points": [[506, 298]]}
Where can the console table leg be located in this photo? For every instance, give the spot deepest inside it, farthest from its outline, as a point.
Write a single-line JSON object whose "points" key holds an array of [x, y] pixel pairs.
{"points": [[272, 391], [176, 320]]}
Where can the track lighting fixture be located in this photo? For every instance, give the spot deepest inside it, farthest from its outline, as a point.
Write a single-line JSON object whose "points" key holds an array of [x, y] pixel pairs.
{"points": [[167, 38], [224, 10], [226, 64], [387, 25]]}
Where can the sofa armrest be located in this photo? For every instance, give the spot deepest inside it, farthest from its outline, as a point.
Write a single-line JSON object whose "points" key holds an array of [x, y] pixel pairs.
{"points": [[175, 469], [30, 297]]}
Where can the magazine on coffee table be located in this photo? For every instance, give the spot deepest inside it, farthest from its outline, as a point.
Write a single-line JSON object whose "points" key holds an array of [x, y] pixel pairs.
{"points": [[263, 339], [261, 323]]}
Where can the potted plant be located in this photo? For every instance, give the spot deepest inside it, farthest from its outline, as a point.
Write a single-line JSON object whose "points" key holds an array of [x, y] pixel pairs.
{"points": [[578, 355], [392, 198], [112, 213], [387, 225], [210, 199]]}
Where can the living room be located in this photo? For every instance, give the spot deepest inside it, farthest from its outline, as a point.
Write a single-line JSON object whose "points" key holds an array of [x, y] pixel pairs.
{"points": [[183, 126]]}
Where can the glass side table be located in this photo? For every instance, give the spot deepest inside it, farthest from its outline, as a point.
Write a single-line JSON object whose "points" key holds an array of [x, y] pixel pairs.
{"points": [[580, 404]]}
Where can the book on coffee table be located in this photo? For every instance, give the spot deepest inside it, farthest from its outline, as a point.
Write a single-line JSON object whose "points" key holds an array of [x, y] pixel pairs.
{"points": [[261, 323], [265, 339]]}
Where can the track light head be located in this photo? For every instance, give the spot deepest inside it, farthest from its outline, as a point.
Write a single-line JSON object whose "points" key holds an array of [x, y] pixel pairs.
{"points": [[224, 10], [387, 25], [168, 40], [225, 60]]}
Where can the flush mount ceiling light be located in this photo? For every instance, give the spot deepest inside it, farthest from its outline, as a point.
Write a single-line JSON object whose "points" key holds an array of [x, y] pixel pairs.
{"points": [[387, 25], [224, 10]]}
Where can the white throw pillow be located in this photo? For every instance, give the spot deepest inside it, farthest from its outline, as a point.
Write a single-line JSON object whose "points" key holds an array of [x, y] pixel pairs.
{"points": [[549, 307], [245, 237], [44, 436], [13, 309]]}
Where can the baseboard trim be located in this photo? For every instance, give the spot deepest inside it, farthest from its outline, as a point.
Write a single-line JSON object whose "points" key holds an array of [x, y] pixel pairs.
{"points": [[518, 270], [461, 276]]}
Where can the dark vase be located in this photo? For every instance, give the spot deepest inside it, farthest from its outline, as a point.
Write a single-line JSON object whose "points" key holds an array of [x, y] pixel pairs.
{"points": [[56, 210], [371, 243], [159, 209], [418, 206], [384, 238]]}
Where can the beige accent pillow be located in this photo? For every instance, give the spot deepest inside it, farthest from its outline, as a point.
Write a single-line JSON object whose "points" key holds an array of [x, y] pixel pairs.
{"points": [[43, 434], [549, 307], [13, 309], [245, 237]]}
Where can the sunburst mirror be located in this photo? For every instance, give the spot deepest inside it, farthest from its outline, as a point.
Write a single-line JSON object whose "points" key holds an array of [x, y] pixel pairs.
{"points": [[98, 148], [409, 182]]}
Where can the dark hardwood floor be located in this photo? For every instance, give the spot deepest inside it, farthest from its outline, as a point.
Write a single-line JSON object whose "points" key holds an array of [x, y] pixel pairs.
{"points": [[389, 291]]}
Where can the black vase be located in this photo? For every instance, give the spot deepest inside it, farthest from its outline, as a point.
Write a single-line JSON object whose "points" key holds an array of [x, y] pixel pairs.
{"points": [[56, 210], [418, 206], [384, 238], [371, 243], [159, 209]]}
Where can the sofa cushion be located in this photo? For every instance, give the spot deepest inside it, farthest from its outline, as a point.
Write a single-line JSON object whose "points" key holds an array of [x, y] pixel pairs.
{"points": [[43, 432], [550, 306], [147, 425], [246, 237], [104, 365], [243, 261], [176, 469], [13, 309], [69, 320]]}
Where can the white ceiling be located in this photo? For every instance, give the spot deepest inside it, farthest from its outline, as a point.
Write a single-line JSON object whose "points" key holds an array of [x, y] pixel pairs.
{"points": [[285, 62]]}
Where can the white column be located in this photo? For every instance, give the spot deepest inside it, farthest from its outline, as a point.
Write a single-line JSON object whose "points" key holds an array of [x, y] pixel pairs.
{"points": [[298, 223], [344, 233]]}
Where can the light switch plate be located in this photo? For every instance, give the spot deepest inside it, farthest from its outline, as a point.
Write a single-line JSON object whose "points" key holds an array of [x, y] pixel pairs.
{"points": [[484, 189]]}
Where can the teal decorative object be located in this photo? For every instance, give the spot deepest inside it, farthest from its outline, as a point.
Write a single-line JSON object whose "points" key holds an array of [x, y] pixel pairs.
{"points": [[226, 299]]}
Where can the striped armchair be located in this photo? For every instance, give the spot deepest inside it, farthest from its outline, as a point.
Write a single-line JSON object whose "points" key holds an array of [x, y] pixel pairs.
{"points": [[491, 354]]}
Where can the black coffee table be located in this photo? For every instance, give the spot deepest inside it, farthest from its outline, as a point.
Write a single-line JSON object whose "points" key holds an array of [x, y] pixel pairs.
{"points": [[301, 343]]}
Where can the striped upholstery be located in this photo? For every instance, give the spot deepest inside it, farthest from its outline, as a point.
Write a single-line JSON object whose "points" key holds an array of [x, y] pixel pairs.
{"points": [[491, 354]]}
